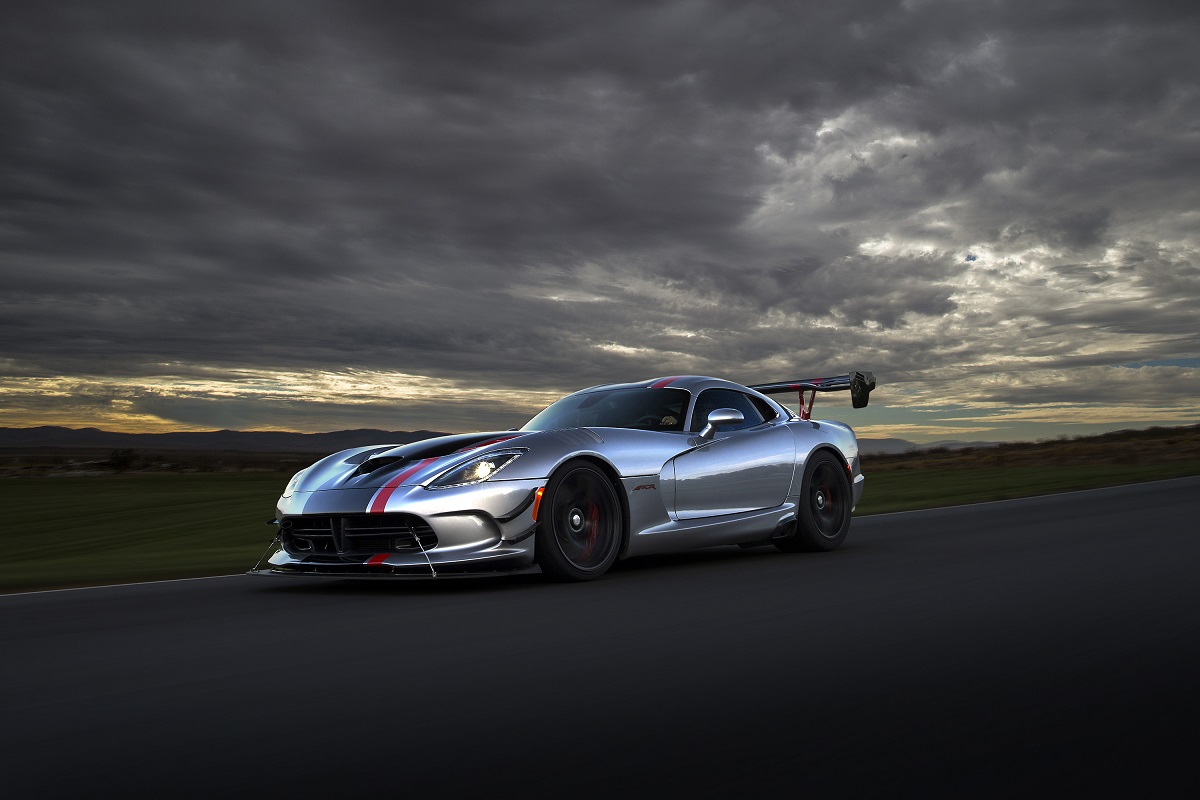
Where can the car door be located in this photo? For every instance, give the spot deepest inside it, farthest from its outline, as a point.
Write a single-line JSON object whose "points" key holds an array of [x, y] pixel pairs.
{"points": [[744, 468]]}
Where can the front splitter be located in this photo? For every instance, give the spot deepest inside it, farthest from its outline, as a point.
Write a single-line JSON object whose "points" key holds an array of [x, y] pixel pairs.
{"points": [[376, 573]]}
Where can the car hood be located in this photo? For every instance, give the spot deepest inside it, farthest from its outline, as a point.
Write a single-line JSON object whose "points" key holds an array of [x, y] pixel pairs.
{"points": [[373, 467], [378, 465]]}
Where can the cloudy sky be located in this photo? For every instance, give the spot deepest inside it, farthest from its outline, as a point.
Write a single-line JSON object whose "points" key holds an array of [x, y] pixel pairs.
{"points": [[325, 215]]}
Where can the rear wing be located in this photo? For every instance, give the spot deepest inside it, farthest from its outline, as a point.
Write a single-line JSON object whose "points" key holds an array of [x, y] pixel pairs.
{"points": [[859, 384]]}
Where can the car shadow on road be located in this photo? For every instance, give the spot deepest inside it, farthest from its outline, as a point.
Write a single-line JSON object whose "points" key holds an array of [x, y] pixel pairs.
{"points": [[636, 569]]}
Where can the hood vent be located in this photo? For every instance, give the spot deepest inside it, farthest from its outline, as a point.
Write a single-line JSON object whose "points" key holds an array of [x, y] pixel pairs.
{"points": [[372, 464]]}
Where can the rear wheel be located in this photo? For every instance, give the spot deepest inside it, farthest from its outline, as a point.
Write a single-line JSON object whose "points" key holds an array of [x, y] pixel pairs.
{"points": [[823, 515], [579, 524]]}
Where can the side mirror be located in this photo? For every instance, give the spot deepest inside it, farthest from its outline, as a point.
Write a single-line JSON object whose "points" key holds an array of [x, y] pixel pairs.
{"points": [[721, 416]]}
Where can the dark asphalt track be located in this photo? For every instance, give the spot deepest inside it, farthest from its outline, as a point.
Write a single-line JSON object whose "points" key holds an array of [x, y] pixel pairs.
{"points": [[1043, 644]]}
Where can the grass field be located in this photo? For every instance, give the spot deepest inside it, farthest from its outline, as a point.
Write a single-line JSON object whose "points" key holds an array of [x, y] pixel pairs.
{"points": [[113, 529], [907, 490]]}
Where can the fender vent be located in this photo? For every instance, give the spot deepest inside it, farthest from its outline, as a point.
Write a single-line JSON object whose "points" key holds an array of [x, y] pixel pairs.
{"points": [[579, 437]]}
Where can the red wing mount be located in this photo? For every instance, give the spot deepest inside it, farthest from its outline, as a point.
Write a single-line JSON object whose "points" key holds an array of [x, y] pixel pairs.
{"points": [[859, 384]]}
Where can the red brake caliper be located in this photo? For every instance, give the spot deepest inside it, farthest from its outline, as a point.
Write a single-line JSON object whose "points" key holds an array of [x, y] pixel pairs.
{"points": [[593, 517]]}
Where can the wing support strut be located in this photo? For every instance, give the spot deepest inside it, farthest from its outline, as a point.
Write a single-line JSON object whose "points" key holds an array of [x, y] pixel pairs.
{"points": [[859, 384]]}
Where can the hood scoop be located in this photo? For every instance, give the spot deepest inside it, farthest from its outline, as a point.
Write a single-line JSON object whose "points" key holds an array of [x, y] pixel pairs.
{"points": [[380, 464], [444, 446]]}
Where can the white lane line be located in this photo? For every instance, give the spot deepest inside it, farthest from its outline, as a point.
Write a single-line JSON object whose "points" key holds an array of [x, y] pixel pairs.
{"points": [[118, 585]]}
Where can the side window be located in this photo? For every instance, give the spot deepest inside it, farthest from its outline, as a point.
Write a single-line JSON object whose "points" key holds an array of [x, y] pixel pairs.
{"points": [[764, 408], [712, 399]]}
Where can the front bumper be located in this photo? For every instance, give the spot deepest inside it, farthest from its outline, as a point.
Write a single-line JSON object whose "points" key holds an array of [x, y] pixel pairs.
{"points": [[483, 528]]}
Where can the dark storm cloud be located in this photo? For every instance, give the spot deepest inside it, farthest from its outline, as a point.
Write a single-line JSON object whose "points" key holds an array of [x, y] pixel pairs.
{"points": [[550, 194]]}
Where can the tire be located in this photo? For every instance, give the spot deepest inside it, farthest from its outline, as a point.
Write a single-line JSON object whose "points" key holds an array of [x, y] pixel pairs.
{"points": [[823, 513], [580, 524]]}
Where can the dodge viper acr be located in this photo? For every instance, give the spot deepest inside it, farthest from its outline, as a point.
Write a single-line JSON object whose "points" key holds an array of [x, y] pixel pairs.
{"points": [[606, 473]]}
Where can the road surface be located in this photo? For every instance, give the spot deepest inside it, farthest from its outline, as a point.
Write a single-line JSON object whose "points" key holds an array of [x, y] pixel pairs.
{"points": [[1048, 643]]}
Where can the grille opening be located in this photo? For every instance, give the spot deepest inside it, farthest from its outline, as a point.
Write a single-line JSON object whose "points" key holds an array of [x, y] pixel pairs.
{"points": [[339, 535]]}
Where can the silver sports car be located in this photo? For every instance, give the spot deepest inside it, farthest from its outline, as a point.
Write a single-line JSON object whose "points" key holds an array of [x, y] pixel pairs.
{"points": [[609, 472]]}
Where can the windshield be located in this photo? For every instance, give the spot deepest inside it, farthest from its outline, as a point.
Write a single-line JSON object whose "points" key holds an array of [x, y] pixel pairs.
{"points": [[645, 409]]}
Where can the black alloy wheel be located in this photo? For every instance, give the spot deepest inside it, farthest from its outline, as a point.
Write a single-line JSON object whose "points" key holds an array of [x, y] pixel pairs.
{"points": [[823, 514], [580, 523]]}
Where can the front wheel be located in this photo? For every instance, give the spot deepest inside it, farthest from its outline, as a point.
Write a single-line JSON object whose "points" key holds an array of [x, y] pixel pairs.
{"points": [[823, 515], [579, 525]]}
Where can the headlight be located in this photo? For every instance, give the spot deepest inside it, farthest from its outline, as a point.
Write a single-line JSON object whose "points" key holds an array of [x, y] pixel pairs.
{"points": [[476, 470], [291, 487]]}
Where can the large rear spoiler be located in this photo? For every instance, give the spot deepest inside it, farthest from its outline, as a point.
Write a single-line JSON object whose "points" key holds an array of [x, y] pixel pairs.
{"points": [[859, 385]]}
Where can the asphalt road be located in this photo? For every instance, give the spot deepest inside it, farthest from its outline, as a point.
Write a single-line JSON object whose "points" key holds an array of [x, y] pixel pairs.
{"points": [[1050, 643]]}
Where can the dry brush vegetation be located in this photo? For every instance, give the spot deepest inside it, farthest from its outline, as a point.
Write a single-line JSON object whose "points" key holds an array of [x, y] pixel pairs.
{"points": [[1128, 447]]}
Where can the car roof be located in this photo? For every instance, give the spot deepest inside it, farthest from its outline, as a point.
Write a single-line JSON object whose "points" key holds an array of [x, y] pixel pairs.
{"points": [[694, 384], [689, 382]]}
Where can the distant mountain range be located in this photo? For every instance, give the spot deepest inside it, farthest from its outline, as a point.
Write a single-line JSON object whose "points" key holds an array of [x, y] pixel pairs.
{"points": [[283, 442], [889, 446], [885, 446]]}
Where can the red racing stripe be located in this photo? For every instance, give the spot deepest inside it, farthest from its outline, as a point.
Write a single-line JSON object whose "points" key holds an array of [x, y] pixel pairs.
{"points": [[376, 560], [379, 501], [665, 382]]}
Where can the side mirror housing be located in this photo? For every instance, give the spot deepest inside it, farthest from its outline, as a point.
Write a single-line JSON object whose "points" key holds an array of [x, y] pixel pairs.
{"points": [[718, 417]]}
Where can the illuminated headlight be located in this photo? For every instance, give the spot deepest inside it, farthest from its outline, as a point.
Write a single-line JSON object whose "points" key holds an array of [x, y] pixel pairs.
{"points": [[291, 487], [476, 470]]}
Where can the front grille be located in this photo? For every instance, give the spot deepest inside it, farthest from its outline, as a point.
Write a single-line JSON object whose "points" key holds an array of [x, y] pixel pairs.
{"points": [[334, 535]]}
